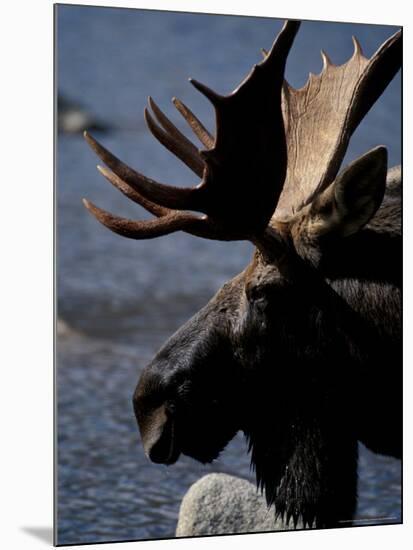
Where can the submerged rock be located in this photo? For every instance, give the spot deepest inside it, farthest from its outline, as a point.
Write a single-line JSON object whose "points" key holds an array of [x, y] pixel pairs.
{"points": [[72, 118], [62, 328], [222, 504]]}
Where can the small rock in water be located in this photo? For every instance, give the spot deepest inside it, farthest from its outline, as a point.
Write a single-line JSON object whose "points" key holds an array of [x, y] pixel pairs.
{"points": [[63, 329], [222, 504], [72, 118]]}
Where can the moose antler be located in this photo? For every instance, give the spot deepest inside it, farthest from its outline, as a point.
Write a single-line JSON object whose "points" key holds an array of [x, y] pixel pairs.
{"points": [[246, 181], [321, 116], [249, 150]]}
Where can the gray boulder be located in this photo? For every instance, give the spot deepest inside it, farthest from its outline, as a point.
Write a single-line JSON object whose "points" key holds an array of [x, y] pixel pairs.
{"points": [[221, 504]]}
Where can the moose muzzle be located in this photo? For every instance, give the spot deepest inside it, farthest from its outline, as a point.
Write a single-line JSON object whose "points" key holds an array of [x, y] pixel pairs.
{"points": [[158, 436]]}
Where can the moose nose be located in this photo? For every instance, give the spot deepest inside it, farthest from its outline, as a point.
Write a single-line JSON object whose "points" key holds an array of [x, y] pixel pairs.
{"points": [[158, 436], [162, 451]]}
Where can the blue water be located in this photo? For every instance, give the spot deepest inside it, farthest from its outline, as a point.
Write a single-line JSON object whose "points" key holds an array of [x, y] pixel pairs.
{"points": [[119, 299]]}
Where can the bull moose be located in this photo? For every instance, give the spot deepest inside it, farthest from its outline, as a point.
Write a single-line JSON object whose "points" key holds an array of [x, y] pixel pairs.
{"points": [[302, 350]]}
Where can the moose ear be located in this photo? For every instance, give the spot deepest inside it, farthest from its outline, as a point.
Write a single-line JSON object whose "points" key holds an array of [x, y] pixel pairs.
{"points": [[353, 198]]}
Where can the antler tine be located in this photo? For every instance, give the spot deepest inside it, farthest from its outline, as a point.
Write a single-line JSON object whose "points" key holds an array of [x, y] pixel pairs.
{"points": [[173, 139], [382, 68], [173, 221], [326, 60], [168, 220], [163, 195], [132, 194], [215, 98], [357, 47], [198, 128], [282, 44]]}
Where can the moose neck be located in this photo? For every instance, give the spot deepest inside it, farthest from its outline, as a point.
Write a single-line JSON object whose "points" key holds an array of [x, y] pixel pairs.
{"points": [[299, 428], [308, 466], [300, 425]]}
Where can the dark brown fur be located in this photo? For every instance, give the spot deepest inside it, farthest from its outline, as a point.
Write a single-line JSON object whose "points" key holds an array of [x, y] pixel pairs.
{"points": [[296, 355]]}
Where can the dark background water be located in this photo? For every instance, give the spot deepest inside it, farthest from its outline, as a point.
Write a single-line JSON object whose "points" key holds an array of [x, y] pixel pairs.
{"points": [[118, 299]]}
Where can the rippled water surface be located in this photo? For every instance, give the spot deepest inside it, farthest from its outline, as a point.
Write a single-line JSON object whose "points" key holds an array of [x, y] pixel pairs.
{"points": [[119, 300]]}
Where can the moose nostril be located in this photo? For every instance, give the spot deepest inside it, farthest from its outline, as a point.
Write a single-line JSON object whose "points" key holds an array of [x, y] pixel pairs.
{"points": [[158, 434], [159, 452], [164, 450]]}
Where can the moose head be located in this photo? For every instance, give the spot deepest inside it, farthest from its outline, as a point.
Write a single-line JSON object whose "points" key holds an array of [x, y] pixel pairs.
{"points": [[276, 352]]}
